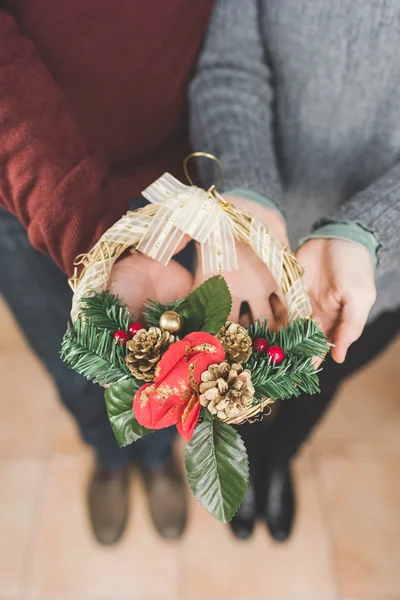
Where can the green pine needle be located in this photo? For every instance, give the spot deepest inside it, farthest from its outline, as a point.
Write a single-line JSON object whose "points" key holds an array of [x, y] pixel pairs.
{"points": [[93, 353], [259, 329], [300, 338], [154, 310], [105, 311], [303, 338], [291, 378], [301, 341]]}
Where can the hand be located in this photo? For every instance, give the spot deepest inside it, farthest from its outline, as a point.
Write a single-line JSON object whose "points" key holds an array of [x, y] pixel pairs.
{"points": [[340, 280], [136, 278], [253, 282]]}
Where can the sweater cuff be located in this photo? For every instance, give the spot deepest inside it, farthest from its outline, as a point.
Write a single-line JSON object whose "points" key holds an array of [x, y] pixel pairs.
{"points": [[349, 232], [255, 197]]}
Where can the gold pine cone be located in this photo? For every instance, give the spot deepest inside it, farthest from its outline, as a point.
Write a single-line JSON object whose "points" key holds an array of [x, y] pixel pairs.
{"points": [[226, 390], [236, 342], [145, 350]]}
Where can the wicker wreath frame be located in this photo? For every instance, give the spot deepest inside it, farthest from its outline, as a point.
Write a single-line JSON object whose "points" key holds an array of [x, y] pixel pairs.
{"points": [[92, 270]]}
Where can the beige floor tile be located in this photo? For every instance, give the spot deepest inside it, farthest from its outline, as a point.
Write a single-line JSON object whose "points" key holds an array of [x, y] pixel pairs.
{"points": [[11, 336], [19, 484], [365, 418], [363, 499], [27, 404], [65, 436], [214, 565], [68, 562]]}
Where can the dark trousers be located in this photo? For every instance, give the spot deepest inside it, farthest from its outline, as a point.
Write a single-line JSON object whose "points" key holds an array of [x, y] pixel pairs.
{"points": [[40, 298], [280, 439]]}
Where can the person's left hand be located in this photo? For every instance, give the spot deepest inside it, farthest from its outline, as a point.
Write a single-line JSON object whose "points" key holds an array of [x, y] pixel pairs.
{"points": [[340, 280], [137, 278], [253, 282]]}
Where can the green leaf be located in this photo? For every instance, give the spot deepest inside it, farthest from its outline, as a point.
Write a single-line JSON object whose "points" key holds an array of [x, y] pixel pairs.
{"points": [[207, 307], [119, 399], [217, 468]]}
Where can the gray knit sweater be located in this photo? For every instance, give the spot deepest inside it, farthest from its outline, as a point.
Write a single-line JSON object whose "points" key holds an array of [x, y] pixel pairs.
{"points": [[300, 99]]}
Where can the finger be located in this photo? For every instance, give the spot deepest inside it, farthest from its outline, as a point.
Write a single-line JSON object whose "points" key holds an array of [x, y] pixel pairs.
{"points": [[125, 278], [326, 326], [183, 243], [352, 322], [317, 362], [279, 310], [235, 311], [173, 283], [260, 310]]}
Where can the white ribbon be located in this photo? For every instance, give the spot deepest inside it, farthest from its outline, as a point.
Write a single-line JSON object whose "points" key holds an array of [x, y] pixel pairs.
{"points": [[188, 210]]}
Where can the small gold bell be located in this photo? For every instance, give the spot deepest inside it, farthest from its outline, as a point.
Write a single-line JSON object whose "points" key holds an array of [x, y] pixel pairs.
{"points": [[171, 321]]}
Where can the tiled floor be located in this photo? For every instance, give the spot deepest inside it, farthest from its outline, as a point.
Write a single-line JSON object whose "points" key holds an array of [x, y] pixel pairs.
{"points": [[346, 544]]}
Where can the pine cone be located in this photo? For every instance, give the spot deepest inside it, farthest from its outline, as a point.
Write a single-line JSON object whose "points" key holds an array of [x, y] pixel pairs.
{"points": [[226, 390], [145, 350], [236, 342]]}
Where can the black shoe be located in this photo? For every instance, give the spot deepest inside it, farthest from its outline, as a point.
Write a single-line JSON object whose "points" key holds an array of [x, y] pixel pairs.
{"points": [[243, 522], [279, 502]]}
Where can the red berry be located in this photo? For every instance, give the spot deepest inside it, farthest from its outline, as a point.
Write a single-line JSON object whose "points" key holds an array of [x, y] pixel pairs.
{"points": [[134, 328], [260, 345], [276, 353], [121, 336]]}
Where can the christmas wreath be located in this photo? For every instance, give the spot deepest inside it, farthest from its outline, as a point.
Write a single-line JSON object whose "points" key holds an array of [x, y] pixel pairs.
{"points": [[187, 365]]}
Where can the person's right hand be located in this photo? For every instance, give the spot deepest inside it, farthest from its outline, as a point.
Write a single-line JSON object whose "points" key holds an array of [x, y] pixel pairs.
{"points": [[340, 279], [252, 283], [137, 278]]}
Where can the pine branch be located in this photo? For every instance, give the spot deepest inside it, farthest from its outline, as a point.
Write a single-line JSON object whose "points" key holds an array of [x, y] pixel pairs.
{"points": [[300, 338], [105, 311], [154, 310], [94, 353], [294, 376], [259, 329], [303, 338]]}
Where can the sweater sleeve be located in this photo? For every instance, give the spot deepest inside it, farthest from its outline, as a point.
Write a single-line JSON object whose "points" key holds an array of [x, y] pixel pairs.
{"points": [[231, 98], [48, 179], [377, 210]]}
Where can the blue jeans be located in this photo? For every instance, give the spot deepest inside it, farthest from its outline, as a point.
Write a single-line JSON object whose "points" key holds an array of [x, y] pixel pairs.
{"points": [[40, 298]]}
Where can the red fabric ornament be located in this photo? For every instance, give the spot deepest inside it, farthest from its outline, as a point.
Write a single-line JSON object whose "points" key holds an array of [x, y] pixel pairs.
{"points": [[276, 353], [134, 328], [260, 345], [121, 336], [172, 399]]}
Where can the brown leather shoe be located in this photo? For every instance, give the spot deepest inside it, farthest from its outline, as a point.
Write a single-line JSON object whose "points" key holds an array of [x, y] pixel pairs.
{"points": [[108, 503], [167, 499]]}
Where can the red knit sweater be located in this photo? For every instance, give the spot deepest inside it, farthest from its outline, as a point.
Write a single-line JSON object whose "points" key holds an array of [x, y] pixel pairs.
{"points": [[92, 110]]}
